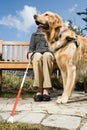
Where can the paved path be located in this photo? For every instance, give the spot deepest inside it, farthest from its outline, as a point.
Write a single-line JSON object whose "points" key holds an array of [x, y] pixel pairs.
{"points": [[70, 116]]}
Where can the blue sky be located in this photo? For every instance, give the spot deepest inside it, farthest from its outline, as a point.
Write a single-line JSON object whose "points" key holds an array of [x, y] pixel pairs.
{"points": [[16, 16]]}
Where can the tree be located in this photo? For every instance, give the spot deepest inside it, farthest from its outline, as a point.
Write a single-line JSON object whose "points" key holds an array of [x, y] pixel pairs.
{"points": [[74, 28], [84, 18]]}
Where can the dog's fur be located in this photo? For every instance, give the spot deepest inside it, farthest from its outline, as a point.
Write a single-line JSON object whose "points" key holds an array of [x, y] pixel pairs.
{"points": [[70, 50]]}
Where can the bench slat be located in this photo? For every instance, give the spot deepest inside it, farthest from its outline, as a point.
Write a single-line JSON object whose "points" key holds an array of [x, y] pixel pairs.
{"points": [[21, 56], [10, 43], [14, 65], [1, 41], [5, 52], [10, 47], [15, 53], [25, 52]]}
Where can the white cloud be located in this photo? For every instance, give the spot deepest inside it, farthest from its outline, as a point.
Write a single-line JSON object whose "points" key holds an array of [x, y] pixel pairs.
{"points": [[23, 19], [73, 8]]}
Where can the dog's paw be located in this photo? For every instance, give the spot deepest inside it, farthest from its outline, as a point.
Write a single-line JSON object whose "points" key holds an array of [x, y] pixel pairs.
{"points": [[59, 100], [62, 100]]}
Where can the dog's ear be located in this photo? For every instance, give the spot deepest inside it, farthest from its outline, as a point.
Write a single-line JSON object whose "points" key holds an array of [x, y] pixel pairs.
{"points": [[52, 33], [58, 21]]}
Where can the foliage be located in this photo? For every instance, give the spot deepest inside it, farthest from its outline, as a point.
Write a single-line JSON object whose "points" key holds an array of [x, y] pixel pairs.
{"points": [[74, 28], [12, 81], [57, 82], [77, 29], [84, 18]]}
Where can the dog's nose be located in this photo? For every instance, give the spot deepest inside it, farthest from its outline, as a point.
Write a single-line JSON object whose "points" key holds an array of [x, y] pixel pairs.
{"points": [[35, 16]]}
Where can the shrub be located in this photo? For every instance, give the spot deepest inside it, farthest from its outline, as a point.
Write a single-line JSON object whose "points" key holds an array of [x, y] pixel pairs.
{"points": [[12, 81]]}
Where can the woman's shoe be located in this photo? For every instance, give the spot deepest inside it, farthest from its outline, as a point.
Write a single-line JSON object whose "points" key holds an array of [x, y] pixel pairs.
{"points": [[46, 97], [38, 98]]}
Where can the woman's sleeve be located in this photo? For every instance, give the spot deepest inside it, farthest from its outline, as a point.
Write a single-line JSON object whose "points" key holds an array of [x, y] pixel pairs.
{"points": [[32, 44]]}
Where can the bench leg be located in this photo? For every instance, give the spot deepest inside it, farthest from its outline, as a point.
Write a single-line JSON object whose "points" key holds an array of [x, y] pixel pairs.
{"points": [[0, 81]]}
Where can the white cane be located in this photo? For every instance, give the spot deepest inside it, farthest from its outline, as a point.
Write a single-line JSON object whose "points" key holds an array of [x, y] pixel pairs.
{"points": [[10, 119]]}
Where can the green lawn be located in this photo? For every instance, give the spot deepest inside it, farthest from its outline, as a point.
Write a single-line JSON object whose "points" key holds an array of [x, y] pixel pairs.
{"points": [[18, 126], [24, 126]]}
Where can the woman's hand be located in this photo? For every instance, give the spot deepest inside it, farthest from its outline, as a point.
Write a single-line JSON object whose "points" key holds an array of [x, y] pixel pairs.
{"points": [[29, 54]]}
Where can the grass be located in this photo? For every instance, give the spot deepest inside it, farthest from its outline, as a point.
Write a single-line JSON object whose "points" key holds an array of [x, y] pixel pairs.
{"points": [[24, 126], [18, 126], [13, 95]]}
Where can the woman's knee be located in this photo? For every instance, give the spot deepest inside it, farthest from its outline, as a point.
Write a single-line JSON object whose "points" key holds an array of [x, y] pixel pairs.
{"points": [[48, 56], [37, 56]]}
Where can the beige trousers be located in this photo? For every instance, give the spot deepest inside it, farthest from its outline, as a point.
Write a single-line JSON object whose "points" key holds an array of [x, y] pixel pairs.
{"points": [[42, 67]]}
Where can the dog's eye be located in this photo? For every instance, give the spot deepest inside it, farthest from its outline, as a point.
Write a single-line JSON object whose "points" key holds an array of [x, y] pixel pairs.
{"points": [[46, 14]]}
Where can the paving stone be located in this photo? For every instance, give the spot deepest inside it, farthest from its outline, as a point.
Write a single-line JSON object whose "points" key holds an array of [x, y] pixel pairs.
{"points": [[29, 117], [60, 121], [4, 116], [84, 127], [1, 119]]}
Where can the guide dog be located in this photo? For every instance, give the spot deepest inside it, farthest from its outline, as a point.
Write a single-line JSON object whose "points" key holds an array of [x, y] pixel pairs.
{"points": [[70, 50]]}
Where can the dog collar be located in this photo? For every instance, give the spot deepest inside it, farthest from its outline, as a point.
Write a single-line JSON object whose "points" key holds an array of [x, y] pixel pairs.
{"points": [[59, 36]]}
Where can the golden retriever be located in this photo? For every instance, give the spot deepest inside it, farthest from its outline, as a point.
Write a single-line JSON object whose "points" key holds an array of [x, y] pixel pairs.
{"points": [[69, 48]]}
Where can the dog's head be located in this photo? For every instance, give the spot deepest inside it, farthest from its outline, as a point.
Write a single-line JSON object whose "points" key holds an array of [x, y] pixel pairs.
{"points": [[49, 23]]}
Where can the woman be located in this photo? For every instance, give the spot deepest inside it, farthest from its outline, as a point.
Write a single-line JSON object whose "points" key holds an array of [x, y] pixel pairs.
{"points": [[42, 59]]}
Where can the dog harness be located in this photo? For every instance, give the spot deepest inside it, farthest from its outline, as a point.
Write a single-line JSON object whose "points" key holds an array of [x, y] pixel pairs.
{"points": [[69, 40]]}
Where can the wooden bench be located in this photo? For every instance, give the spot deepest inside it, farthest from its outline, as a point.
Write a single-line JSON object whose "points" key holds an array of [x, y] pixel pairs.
{"points": [[13, 56]]}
